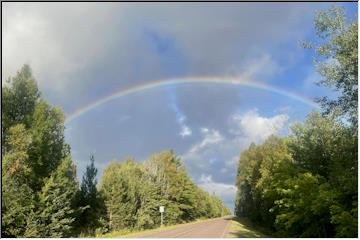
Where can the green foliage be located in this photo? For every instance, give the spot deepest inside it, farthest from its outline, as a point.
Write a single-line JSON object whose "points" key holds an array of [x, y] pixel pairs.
{"points": [[346, 221], [17, 198], [119, 186], [303, 207], [17, 204], [259, 168], [133, 193], [48, 147], [15, 163], [38, 177], [54, 216], [91, 203], [305, 185], [19, 98], [337, 61], [312, 147]]}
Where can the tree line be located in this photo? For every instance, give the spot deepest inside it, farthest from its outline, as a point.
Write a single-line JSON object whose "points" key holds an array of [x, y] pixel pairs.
{"points": [[306, 184], [42, 197], [133, 193]]}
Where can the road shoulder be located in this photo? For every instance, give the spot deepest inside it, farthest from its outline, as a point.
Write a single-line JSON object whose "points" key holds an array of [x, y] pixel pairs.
{"points": [[241, 228]]}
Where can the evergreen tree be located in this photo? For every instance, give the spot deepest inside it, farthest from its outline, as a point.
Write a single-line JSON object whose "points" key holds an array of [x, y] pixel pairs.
{"points": [[38, 177], [90, 199], [17, 197], [54, 216]]}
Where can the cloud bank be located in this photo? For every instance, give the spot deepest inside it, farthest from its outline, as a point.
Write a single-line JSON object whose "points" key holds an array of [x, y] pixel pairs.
{"points": [[219, 152]]}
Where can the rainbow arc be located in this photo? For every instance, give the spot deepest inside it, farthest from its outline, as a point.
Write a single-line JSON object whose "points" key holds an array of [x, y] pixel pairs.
{"points": [[188, 80]]}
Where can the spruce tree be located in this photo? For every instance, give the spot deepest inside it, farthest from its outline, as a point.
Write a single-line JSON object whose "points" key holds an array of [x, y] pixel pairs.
{"points": [[54, 216], [90, 199]]}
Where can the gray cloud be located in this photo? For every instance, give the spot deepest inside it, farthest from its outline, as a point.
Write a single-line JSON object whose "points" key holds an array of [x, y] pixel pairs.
{"points": [[81, 52], [78, 49]]}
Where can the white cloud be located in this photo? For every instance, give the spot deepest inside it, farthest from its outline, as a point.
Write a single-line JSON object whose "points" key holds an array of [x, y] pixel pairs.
{"points": [[185, 131], [210, 138], [255, 127], [204, 130], [216, 155], [199, 155], [181, 118], [225, 191], [245, 129]]}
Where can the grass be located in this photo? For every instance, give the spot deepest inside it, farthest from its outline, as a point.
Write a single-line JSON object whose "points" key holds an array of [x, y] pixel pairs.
{"points": [[242, 228], [126, 233]]}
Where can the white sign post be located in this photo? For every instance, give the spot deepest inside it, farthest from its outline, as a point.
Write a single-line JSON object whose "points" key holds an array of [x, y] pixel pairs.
{"points": [[161, 209]]}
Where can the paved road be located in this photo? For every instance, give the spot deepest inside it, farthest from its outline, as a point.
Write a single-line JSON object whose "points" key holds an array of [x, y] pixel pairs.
{"points": [[215, 228]]}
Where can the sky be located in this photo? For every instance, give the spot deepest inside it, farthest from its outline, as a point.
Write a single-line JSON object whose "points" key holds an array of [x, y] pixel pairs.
{"points": [[81, 53]]}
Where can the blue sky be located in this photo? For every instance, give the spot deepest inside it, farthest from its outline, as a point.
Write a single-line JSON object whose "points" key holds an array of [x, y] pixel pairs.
{"points": [[82, 52]]}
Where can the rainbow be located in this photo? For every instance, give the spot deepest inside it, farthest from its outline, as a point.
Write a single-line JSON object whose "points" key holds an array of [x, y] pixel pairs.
{"points": [[188, 80]]}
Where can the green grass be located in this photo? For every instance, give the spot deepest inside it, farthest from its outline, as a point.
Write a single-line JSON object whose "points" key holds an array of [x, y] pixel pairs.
{"points": [[126, 233], [242, 228]]}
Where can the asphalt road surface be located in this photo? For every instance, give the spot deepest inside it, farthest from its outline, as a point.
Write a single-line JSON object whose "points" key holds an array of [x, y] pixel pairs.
{"points": [[215, 228]]}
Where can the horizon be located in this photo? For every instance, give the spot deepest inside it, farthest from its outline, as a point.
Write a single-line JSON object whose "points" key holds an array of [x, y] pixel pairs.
{"points": [[101, 64]]}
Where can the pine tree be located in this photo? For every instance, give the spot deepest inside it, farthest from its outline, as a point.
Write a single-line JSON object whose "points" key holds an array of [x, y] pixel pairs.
{"points": [[90, 199], [55, 214]]}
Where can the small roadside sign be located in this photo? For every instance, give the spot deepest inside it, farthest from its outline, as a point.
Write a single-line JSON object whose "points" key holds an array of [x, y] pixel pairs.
{"points": [[162, 209]]}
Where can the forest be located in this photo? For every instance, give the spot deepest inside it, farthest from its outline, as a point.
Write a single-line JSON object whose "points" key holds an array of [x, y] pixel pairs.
{"points": [[302, 184], [306, 184], [42, 197]]}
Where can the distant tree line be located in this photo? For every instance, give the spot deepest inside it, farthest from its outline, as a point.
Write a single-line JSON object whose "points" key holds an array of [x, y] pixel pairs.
{"points": [[133, 193], [41, 196], [306, 184]]}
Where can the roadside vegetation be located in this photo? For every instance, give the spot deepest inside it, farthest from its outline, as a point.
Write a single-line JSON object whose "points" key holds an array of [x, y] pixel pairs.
{"points": [[42, 197], [243, 228], [130, 233], [133, 193], [306, 184]]}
